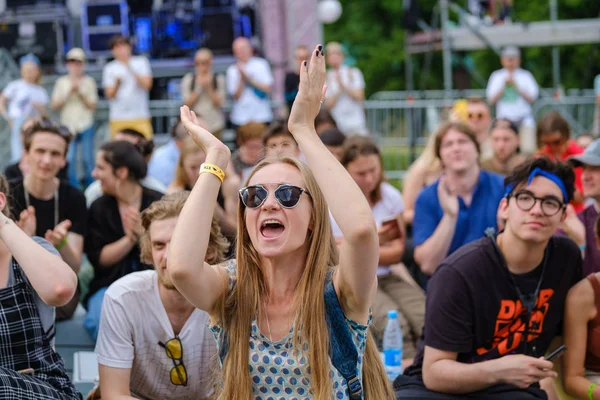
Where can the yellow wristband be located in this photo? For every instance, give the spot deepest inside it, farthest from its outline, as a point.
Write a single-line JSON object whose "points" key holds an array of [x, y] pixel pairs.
{"points": [[213, 169], [61, 244], [591, 391]]}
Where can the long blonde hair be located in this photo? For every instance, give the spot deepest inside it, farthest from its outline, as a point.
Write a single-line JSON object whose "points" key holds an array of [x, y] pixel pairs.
{"points": [[239, 307], [181, 179]]}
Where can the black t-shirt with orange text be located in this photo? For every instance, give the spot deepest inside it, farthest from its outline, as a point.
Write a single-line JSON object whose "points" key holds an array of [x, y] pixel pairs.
{"points": [[474, 309]]}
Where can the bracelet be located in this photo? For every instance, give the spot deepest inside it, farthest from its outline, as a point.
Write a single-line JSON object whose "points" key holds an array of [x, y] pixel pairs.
{"points": [[213, 169], [582, 247], [61, 244], [591, 391]]}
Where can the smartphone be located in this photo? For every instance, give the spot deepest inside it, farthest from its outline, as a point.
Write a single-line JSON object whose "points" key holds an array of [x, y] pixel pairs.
{"points": [[556, 353]]}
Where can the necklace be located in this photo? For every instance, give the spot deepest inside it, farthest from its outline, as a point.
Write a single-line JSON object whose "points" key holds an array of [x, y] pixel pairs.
{"points": [[28, 203]]}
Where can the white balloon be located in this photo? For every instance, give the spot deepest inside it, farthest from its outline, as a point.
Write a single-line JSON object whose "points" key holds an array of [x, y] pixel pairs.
{"points": [[329, 11]]}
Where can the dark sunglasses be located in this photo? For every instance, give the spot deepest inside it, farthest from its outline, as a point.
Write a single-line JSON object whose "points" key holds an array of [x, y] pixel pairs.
{"points": [[46, 123], [288, 196], [477, 116]]}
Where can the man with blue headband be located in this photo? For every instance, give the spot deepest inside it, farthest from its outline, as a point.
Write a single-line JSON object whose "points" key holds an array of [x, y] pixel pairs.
{"points": [[495, 305]]}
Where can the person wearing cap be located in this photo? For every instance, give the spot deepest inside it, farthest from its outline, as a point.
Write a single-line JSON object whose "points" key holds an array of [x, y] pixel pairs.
{"points": [[584, 235], [75, 95], [504, 137], [127, 81], [513, 90], [495, 305], [23, 99]]}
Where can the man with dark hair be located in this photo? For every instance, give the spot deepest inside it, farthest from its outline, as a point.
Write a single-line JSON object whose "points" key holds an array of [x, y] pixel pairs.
{"points": [[46, 206], [333, 139], [278, 141], [495, 305]]}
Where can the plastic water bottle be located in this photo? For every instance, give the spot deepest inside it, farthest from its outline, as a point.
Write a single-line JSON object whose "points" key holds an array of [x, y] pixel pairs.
{"points": [[392, 346]]}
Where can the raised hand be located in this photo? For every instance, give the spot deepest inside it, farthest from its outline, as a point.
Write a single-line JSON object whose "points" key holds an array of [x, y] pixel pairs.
{"points": [[203, 138], [27, 221], [310, 93], [447, 198], [58, 234]]}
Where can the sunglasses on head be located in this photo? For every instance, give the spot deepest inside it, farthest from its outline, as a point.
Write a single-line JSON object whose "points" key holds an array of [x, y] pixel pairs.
{"points": [[288, 196], [46, 123]]}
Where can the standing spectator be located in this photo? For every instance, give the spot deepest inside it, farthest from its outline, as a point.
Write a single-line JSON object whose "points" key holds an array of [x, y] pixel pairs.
{"points": [[204, 91], [164, 160], [584, 236], [145, 147], [76, 95], [46, 206], [249, 82], [292, 78], [479, 119], [34, 281], [596, 125], [153, 343], [362, 160], [345, 92], [513, 90], [495, 305], [554, 138], [250, 148], [127, 81], [114, 223], [461, 206], [26, 98], [504, 136]]}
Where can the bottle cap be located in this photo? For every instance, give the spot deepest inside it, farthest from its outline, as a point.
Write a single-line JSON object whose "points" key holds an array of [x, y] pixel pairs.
{"points": [[392, 314]]}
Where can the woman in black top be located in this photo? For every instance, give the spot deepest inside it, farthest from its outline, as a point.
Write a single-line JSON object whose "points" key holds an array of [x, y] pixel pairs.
{"points": [[114, 223], [34, 279]]}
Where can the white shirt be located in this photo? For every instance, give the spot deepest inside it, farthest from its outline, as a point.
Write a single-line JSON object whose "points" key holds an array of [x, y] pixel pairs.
{"points": [[391, 204], [348, 113], [512, 105], [252, 105], [131, 100], [133, 321], [22, 96]]}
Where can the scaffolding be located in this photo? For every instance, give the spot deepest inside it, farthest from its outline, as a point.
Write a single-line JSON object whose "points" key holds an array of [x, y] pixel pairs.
{"points": [[472, 36]]}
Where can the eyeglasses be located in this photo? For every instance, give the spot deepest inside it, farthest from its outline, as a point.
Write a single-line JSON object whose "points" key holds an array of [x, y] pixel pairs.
{"points": [[46, 123], [526, 201], [174, 350], [202, 62], [478, 116], [288, 196], [555, 142]]}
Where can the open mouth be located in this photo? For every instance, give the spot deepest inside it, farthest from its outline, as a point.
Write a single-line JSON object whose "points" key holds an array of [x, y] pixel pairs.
{"points": [[271, 228]]}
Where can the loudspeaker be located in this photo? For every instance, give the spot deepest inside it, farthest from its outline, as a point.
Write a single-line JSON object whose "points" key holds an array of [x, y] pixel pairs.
{"points": [[218, 31], [39, 38], [13, 4], [217, 3]]}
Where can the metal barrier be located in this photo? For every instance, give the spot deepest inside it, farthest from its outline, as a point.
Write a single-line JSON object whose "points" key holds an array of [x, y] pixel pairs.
{"points": [[456, 94], [577, 110]]}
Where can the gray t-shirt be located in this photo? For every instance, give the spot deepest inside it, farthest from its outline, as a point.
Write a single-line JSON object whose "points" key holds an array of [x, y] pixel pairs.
{"points": [[46, 312]]}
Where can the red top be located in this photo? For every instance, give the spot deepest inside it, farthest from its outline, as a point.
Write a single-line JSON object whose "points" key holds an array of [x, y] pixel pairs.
{"points": [[592, 353], [573, 149]]}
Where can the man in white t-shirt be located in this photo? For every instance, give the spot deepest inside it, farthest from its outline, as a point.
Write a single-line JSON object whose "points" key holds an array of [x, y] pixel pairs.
{"points": [[127, 81], [154, 344], [345, 93], [513, 90], [249, 82]]}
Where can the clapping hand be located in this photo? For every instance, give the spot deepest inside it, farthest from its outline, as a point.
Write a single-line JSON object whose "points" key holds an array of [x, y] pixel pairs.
{"points": [[447, 197], [27, 221], [310, 94], [132, 224], [58, 234]]}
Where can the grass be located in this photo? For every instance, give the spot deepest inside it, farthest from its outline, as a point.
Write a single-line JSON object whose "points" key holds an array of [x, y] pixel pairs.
{"points": [[395, 159]]}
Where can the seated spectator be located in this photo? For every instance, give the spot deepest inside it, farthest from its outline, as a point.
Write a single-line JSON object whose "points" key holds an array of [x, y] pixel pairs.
{"points": [[324, 121], [114, 223], [513, 90], [186, 176], [581, 371], [154, 344], [278, 141], [423, 172], [333, 140], [45, 205], [479, 119], [504, 136], [584, 140], [362, 160], [204, 91], [34, 281], [554, 138], [583, 234], [345, 93], [496, 304], [164, 160], [21, 167], [461, 206], [250, 148], [145, 147]]}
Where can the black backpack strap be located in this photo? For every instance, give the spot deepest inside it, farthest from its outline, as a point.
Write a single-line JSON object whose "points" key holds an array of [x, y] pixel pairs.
{"points": [[343, 352]]}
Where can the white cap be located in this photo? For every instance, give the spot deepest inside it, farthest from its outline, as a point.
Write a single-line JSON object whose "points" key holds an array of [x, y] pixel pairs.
{"points": [[76, 54]]}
